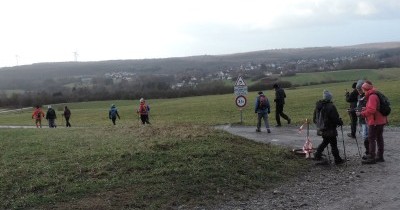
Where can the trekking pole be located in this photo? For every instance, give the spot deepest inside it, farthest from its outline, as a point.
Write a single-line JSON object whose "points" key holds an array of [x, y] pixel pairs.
{"points": [[359, 152], [344, 147]]}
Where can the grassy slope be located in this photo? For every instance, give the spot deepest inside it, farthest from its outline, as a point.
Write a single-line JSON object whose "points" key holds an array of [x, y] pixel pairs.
{"points": [[177, 161]]}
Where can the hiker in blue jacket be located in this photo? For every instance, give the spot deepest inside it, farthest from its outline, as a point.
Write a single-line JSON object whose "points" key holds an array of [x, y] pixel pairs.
{"points": [[113, 114], [262, 109]]}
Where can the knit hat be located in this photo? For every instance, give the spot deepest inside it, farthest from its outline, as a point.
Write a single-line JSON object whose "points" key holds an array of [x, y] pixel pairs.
{"points": [[141, 100], [327, 95], [366, 86], [259, 93], [354, 85], [359, 84]]}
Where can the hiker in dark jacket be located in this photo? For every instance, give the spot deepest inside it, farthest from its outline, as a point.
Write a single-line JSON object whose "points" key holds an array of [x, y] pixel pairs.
{"points": [[113, 114], [362, 102], [331, 120], [67, 115], [280, 102], [262, 109], [352, 98], [51, 117]]}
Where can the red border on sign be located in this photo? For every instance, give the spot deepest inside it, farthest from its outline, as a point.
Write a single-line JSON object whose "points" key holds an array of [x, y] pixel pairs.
{"points": [[245, 101]]}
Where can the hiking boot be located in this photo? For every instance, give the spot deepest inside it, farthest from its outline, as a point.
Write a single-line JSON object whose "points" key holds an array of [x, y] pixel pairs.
{"points": [[369, 160], [364, 157], [289, 120], [258, 130], [340, 161], [268, 130], [278, 125], [380, 160], [351, 136]]}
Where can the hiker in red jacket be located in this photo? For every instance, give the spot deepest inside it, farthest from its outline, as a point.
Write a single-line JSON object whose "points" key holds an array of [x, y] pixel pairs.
{"points": [[38, 114], [143, 111], [376, 121]]}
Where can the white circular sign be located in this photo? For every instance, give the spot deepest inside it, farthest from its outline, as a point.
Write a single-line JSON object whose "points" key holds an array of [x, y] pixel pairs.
{"points": [[241, 101]]}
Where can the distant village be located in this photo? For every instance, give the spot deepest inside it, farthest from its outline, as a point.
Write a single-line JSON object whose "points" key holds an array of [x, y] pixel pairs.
{"points": [[285, 68]]}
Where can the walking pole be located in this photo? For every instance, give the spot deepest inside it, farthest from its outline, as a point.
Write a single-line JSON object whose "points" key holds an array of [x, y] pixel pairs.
{"points": [[359, 152], [344, 147]]}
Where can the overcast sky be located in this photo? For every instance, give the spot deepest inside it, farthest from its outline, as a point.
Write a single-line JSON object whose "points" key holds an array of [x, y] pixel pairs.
{"points": [[35, 31]]}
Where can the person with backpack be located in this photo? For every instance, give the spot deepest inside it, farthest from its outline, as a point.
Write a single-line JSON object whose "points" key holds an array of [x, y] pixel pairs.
{"points": [[38, 114], [362, 102], [51, 117], [262, 109], [143, 111], [280, 102], [352, 99], [113, 114], [67, 115], [376, 121], [326, 117]]}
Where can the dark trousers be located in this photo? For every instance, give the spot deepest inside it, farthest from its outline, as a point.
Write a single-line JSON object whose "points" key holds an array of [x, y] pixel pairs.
{"points": [[145, 119], [262, 116], [353, 123], [375, 138], [279, 113], [333, 142], [113, 119], [67, 120]]}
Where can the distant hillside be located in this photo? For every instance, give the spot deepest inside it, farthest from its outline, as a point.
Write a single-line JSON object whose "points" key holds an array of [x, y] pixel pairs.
{"points": [[14, 77]]}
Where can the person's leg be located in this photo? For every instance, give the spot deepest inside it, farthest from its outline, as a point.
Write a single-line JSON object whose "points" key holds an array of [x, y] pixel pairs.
{"points": [[278, 111], [284, 116], [265, 116], [335, 150], [259, 116], [114, 119], [364, 133], [353, 118], [372, 135], [321, 147], [68, 123], [147, 119], [379, 141], [143, 119]]}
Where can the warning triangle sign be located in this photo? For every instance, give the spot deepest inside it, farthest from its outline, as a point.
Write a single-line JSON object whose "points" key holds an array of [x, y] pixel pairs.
{"points": [[240, 82]]}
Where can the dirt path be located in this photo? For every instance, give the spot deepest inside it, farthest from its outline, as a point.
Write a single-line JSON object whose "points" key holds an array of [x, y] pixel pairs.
{"points": [[350, 186]]}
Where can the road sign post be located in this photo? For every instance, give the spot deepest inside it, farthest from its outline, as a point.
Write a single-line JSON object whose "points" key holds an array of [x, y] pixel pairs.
{"points": [[240, 91]]}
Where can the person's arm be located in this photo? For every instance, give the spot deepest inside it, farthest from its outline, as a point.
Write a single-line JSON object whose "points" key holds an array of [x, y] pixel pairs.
{"points": [[256, 105], [371, 107]]}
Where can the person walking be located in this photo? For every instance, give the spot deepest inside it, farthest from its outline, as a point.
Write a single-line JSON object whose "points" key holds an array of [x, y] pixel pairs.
{"points": [[376, 121], [280, 102], [113, 114], [143, 111], [38, 114], [67, 115], [262, 109], [362, 102], [352, 99], [327, 119], [51, 117]]}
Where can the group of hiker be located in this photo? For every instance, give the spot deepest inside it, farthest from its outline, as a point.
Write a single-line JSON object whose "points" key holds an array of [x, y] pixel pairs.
{"points": [[367, 107], [263, 108], [38, 115], [143, 112], [50, 116]]}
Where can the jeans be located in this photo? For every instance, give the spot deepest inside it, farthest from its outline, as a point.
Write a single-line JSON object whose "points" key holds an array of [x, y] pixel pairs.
{"points": [[263, 115]]}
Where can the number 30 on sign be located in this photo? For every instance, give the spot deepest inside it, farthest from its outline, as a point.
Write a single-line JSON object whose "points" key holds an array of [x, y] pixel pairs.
{"points": [[241, 101]]}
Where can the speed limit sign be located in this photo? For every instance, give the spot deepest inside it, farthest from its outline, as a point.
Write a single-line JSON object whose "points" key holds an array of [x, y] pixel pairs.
{"points": [[241, 101]]}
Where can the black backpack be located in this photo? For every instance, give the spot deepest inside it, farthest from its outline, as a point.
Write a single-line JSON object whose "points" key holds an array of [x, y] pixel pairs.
{"points": [[384, 104]]}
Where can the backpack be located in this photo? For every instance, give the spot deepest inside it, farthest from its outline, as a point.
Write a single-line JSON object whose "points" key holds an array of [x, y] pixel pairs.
{"points": [[113, 113], [263, 102], [384, 104], [143, 109], [38, 115], [320, 121]]}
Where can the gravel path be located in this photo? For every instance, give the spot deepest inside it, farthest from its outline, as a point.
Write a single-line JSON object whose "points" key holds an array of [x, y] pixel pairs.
{"points": [[349, 186]]}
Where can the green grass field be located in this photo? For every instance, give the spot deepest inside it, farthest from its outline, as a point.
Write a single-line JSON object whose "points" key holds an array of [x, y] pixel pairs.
{"points": [[177, 161]]}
